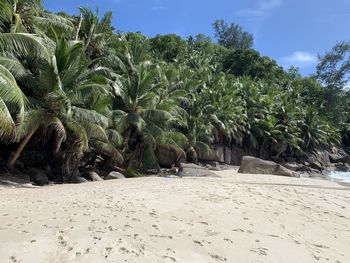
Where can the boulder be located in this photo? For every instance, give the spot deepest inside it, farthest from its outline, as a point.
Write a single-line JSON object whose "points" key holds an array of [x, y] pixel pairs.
{"points": [[215, 154], [196, 171], [299, 154], [228, 155], [215, 168], [308, 170], [169, 156], [93, 176], [336, 157], [38, 176], [208, 166], [238, 153], [195, 166], [346, 159], [314, 172], [265, 152], [290, 159], [114, 159], [294, 166], [318, 160], [342, 167], [252, 165], [219, 152], [8, 178], [114, 176], [191, 155], [78, 180], [316, 165]]}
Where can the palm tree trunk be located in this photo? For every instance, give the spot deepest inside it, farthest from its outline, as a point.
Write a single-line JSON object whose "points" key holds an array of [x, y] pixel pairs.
{"points": [[92, 29], [19, 150], [307, 145], [79, 27]]}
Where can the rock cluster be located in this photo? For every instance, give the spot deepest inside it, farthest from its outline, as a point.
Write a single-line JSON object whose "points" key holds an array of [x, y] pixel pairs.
{"points": [[314, 163], [252, 165]]}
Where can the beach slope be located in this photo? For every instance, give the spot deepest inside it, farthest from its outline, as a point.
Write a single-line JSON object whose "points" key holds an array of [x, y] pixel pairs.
{"points": [[228, 218]]}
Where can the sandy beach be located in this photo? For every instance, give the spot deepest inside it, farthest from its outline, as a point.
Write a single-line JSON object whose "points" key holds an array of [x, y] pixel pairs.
{"points": [[228, 218]]}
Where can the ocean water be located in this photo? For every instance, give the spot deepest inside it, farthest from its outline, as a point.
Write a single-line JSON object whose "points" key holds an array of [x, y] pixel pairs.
{"points": [[339, 176]]}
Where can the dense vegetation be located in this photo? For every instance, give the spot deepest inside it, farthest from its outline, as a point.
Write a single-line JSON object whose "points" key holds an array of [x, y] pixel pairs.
{"points": [[75, 94]]}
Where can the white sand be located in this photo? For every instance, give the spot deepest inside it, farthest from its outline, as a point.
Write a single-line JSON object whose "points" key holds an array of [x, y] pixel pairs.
{"points": [[234, 218]]}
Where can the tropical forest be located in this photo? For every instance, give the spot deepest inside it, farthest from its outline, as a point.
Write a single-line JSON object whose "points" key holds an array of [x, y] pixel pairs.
{"points": [[78, 95]]}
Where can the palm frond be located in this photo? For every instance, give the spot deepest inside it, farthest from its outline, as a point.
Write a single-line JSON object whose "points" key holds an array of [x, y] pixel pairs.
{"points": [[56, 22], [89, 116], [10, 92], [95, 131], [24, 44], [7, 125], [33, 119], [60, 132], [78, 132], [114, 138]]}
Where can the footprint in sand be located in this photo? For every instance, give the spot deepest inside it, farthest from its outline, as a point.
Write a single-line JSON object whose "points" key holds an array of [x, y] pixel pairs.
{"points": [[107, 251], [198, 243], [13, 259], [260, 250], [62, 241], [218, 258], [228, 240], [124, 250], [171, 250], [169, 259], [153, 214]]}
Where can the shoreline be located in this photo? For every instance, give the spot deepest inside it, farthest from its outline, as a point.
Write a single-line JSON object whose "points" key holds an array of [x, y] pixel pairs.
{"points": [[228, 218]]}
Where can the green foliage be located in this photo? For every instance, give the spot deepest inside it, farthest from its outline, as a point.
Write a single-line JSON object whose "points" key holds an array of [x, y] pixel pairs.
{"points": [[168, 47], [333, 72], [334, 67], [85, 87], [232, 36], [248, 62]]}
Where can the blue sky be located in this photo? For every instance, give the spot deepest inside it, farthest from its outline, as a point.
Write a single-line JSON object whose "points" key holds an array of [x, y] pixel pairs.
{"points": [[289, 31]]}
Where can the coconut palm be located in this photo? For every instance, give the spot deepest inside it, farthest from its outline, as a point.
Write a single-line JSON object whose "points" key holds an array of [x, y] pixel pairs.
{"points": [[316, 132], [136, 112], [57, 102], [73, 85], [12, 104]]}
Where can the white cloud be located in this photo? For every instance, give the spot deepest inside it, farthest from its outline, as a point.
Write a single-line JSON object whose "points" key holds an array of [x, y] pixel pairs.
{"points": [[299, 59], [263, 8]]}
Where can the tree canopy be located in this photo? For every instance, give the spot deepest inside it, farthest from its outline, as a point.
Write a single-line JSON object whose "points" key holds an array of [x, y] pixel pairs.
{"points": [[232, 36], [76, 95]]}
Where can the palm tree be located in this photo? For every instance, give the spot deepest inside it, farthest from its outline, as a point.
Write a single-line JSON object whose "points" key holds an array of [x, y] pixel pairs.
{"points": [[57, 102], [136, 114], [12, 103], [316, 132], [18, 15]]}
